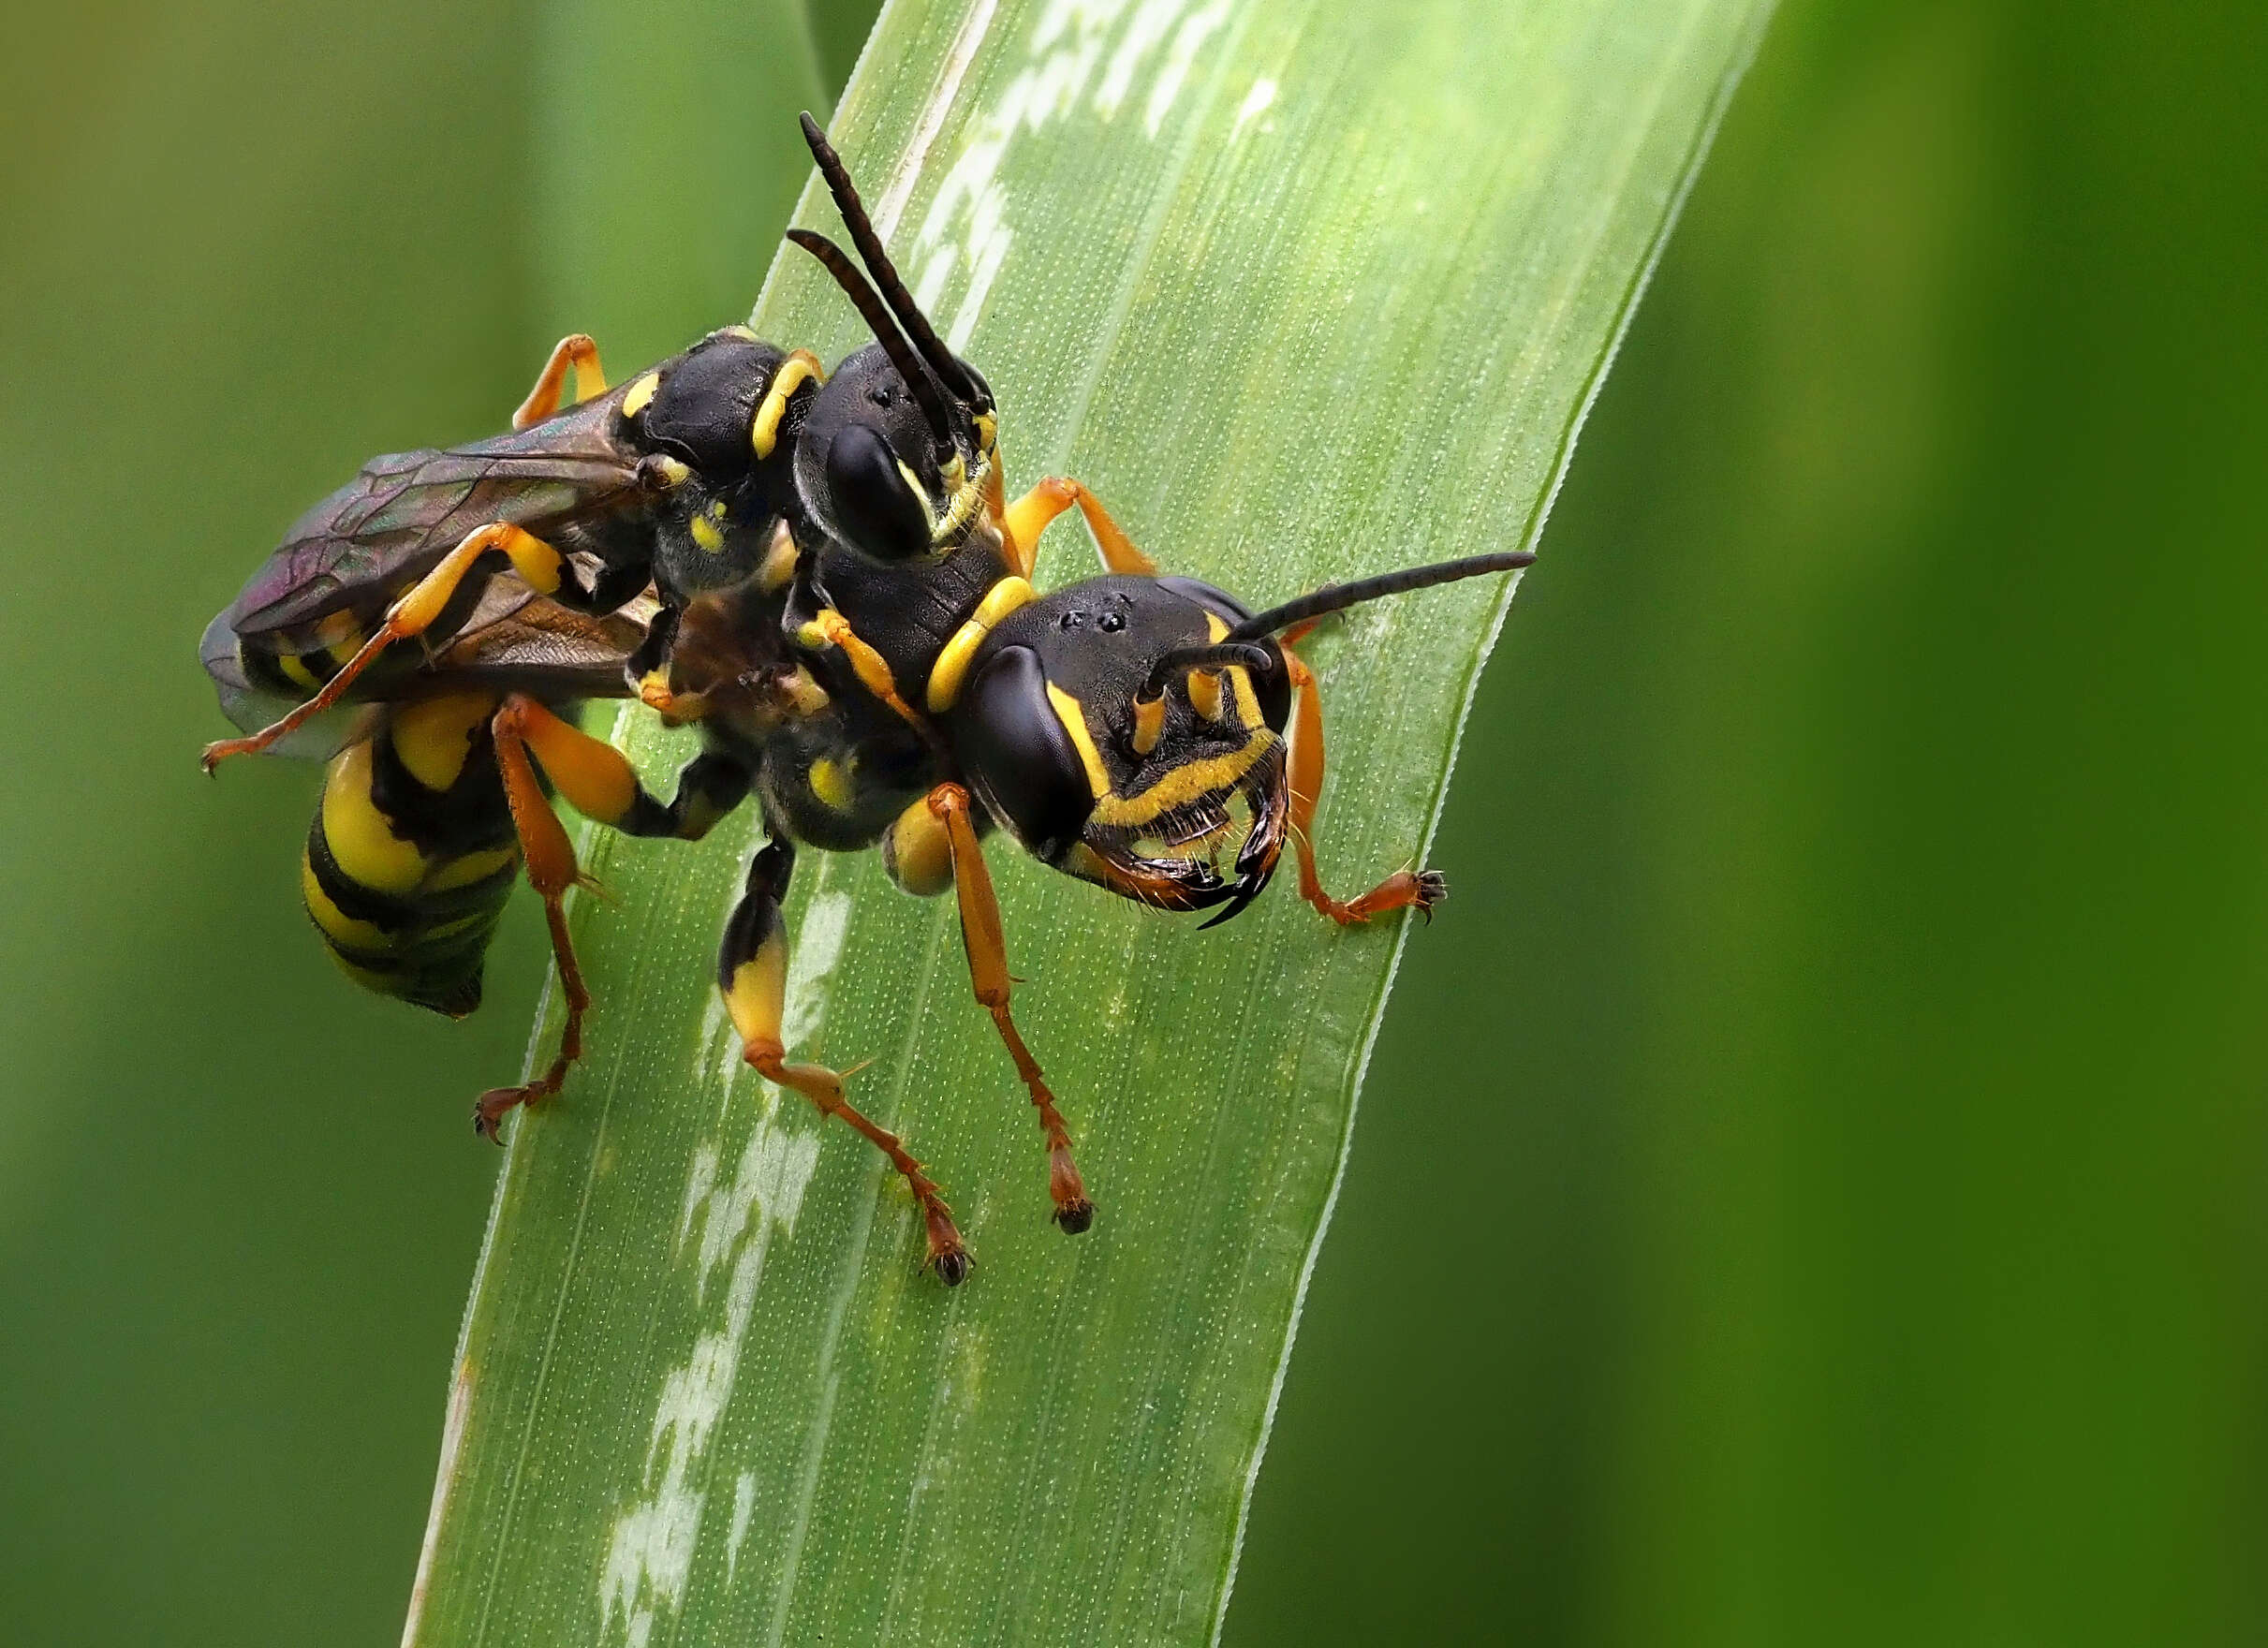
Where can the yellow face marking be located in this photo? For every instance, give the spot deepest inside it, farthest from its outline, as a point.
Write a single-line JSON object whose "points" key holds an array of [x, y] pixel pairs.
{"points": [[778, 565], [1248, 702], [365, 845], [1074, 718], [1217, 627], [434, 736], [951, 667], [472, 867], [1149, 723], [831, 782], [799, 368], [641, 395], [338, 926], [1187, 782], [968, 499]]}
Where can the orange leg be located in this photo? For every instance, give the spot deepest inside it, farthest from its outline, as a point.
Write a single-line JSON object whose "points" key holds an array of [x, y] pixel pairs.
{"points": [[1024, 520], [576, 350], [751, 975], [550, 870], [987, 947], [411, 615], [1404, 889]]}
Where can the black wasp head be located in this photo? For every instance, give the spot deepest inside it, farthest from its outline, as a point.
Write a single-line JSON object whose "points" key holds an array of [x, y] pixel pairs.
{"points": [[1130, 731], [1115, 728], [702, 409], [897, 447]]}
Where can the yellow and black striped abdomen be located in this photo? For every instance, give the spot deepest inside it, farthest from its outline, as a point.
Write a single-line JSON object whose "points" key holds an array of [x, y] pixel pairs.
{"points": [[412, 853]]}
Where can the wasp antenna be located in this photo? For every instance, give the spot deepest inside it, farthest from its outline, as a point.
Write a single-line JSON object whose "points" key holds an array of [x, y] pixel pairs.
{"points": [[1251, 655], [885, 330], [947, 365], [1336, 597]]}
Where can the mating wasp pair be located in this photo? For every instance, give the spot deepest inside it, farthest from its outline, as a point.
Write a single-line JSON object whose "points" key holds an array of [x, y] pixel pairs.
{"points": [[824, 574]]}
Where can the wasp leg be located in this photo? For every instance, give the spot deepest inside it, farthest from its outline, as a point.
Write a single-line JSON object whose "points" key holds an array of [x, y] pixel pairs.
{"points": [[1025, 519], [831, 630], [599, 781], [550, 870], [752, 976], [1404, 889], [987, 947], [542, 565], [577, 350]]}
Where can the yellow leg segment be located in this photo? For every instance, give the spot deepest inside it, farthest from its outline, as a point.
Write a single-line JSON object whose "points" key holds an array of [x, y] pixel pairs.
{"points": [[550, 870], [578, 351], [596, 779], [983, 937], [1304, 772], [752, 976], [536, 562], [1024, 520], [831, 630]]}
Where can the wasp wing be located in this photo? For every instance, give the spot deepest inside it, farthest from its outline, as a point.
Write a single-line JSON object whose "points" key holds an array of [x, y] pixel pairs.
{"points": [[393, 522]]}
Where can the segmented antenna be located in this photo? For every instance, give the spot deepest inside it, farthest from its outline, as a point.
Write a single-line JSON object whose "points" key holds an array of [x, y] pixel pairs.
{"points": [[1251, 655], [1334, 598], [948, 365], [885, 330]]}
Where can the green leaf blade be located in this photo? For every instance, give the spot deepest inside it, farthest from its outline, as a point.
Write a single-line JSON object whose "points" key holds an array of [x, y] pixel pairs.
{"points": [[1301, 293]]}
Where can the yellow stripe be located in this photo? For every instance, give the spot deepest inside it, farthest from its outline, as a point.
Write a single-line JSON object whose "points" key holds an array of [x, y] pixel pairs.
{"points": [[341, 636], [640, 393], [799, 368], [434, 736], [362, 844], [297, 673], [472, 867], [951, 667], [1074, 719], [337, 925], [1185, 783]]}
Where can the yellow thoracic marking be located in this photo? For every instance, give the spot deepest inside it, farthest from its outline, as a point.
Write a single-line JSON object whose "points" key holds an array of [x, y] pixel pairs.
{"points": [[800, 368], [1149, 723], [673, 474], [747, 333], [708, 528], [951, 667], [366, 849], [337, 925], [472, 867], [831, 782], [1205, 693], [297, 673], [1074, 718], [434, 735], [808, 696], [642, 394], [1192, 781]]}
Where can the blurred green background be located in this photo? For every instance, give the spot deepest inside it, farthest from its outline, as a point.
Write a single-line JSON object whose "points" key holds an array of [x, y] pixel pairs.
{"points": [[1809, 1183]]}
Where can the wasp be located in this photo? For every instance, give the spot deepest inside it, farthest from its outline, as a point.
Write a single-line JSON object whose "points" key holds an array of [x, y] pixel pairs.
{"points": [[834, 586]]}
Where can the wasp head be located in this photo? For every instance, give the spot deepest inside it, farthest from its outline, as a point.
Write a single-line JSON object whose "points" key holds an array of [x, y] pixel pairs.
{"points": [[896, 450], [1120, 736]]}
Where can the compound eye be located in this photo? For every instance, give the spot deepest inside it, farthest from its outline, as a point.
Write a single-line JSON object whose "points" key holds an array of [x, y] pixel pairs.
{"points": [[1019, 756], [875, 508]]}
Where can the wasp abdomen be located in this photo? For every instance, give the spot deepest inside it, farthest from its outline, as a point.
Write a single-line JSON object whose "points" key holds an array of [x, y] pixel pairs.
{"points": [[412, 855]]}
